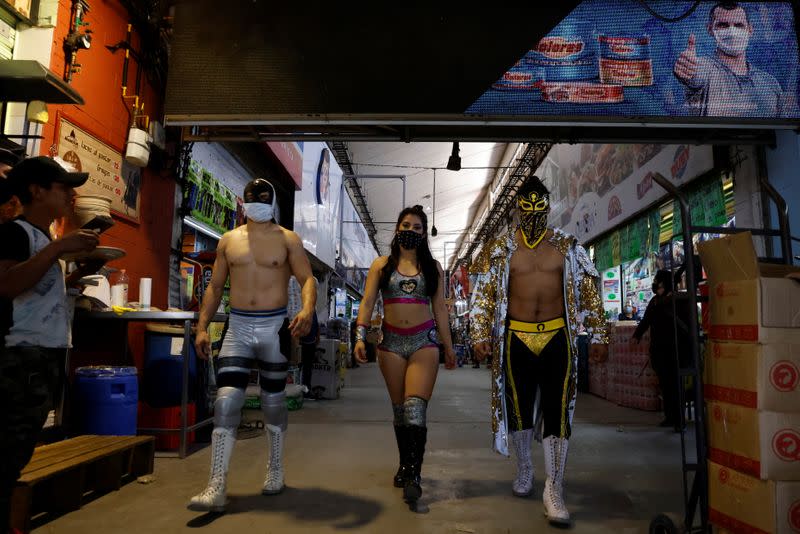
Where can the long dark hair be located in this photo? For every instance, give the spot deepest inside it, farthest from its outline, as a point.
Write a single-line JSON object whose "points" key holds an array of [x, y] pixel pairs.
{"points": [[427, 265]]}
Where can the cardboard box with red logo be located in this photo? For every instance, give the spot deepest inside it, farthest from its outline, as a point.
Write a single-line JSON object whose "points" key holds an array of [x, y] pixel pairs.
{"points": [[750, 302], [762, 377], [741, 503], [762, 444]]}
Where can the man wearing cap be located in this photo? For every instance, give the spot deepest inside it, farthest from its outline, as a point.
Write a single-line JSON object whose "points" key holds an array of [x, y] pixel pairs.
{"points": [[34, 315], [259, 256]]}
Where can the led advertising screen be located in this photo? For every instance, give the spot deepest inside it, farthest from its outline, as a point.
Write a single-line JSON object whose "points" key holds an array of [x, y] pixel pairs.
{"points": [[658, 59]]}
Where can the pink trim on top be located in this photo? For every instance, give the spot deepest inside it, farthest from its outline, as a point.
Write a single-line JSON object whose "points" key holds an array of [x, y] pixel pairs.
{"points": [[406, 300], [427, 325]]}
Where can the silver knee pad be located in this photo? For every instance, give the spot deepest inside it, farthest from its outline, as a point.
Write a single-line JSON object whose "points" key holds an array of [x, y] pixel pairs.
{"points": [[228, 407], [274, 407], [415, 411]]}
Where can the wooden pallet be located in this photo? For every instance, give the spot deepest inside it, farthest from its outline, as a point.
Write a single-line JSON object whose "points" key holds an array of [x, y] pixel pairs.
{"points": [[62, 476]]}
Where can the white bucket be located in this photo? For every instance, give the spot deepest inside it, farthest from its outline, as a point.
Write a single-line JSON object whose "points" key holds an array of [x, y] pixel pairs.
{"points": [[137, 152]]}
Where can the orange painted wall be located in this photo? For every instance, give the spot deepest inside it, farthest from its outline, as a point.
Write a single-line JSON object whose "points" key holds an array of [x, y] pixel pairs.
{"points": [[104, 115]]}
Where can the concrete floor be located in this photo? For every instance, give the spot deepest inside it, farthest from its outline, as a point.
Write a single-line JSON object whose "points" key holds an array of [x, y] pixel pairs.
{"points": [[340, 457]]}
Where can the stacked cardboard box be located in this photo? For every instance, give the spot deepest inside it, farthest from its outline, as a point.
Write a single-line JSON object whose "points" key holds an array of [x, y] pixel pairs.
{"points": [[626, 378], [752, 390]]}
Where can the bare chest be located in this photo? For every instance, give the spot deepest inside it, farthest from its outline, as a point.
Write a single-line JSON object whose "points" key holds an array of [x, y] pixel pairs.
{"points": [[267, 251], [543, 259]]}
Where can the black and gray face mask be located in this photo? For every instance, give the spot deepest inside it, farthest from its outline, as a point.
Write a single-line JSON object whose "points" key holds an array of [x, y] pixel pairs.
{"points": [[409, 239]]}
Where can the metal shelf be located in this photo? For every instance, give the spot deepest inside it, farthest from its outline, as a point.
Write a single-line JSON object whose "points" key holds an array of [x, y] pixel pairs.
{"points": [[201, 227]]}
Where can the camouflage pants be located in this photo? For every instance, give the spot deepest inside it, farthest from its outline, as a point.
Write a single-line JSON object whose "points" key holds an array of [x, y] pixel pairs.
{"points": [[29, 378]]}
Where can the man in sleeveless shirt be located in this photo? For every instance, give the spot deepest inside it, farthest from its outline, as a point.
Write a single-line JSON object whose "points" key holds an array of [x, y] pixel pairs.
{"points": [[35, 319]]}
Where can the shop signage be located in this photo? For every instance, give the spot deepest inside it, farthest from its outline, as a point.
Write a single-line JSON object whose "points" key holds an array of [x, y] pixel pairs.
{"points": [[706, 206], [626, 59], [594, 188], [109, 174], [317, 206], [290, 155]]}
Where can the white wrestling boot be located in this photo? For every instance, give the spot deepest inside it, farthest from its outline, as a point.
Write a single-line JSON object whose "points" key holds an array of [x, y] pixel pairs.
{"points": [[273, 484], [214, 497], [555, 459], [523, 484]]}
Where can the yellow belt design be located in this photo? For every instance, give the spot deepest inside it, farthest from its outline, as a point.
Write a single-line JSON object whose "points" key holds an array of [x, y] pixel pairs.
{"points": [[537, 328], [536, 336]]}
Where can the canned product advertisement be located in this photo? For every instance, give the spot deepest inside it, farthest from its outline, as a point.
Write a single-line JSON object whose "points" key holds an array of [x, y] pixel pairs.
{"points": [[622, 60]]}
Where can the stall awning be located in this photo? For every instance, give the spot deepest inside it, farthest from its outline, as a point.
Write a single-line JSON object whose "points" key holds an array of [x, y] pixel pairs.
{"points": [[27, 80]]}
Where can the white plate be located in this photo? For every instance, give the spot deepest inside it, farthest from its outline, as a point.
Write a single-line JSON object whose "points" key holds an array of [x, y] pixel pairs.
{"points": [[100, 253]]}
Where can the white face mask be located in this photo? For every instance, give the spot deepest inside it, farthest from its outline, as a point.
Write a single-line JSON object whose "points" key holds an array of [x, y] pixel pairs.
{"points": [[628, 309], [732, 41], [258, 211]]}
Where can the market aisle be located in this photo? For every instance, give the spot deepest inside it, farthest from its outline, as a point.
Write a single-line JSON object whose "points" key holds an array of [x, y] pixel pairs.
{"points": [[341, 455]]}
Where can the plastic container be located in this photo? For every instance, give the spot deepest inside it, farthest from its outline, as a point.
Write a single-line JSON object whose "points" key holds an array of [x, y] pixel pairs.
{"points": [[106, 400], [119, 291], [163, 366], [167, 418], [137, 151]]}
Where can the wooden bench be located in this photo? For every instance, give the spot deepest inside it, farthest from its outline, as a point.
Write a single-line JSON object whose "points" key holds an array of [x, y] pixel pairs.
{"points": [[62, 476]]}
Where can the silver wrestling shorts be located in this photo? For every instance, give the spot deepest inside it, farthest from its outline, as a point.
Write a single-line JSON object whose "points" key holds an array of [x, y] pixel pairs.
{"points": [[407, 341], [252, 335]]}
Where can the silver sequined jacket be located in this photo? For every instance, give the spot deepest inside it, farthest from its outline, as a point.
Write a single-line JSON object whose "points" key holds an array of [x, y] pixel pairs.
{"points": [[490, 305]]}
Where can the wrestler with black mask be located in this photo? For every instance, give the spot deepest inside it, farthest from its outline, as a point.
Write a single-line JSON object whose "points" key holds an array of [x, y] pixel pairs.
{"points": [[552, 292], [259, 256]]}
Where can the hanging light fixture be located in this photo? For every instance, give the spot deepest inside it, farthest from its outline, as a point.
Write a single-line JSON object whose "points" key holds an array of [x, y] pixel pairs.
{"points": [[434, 231], [454, 163]]}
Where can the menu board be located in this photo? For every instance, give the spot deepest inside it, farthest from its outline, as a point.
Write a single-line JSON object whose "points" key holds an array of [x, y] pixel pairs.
{"points": [[109, 174]]}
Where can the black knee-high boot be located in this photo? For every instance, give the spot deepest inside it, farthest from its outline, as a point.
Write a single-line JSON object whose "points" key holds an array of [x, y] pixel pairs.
{"points": [[401, 433], [417, 437]]}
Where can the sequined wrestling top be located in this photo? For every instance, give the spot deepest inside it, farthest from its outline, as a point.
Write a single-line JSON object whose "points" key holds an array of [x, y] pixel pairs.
{"points": [[403, 289]]}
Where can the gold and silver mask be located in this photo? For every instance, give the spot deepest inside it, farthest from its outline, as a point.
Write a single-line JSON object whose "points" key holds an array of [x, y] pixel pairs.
{"points": [[533, 211]]}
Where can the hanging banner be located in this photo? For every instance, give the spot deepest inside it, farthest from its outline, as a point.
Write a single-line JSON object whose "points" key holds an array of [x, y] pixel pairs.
{"points": [[657, 60], [109, 175], [594, 188], [706, 206], [316, 204]]}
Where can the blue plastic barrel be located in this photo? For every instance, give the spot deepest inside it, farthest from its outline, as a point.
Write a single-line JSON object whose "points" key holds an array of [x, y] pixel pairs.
{"points": [[106, 400], [163, 366]]}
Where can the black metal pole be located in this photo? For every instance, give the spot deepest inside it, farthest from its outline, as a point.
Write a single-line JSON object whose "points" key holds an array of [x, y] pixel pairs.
{"points": [[701, 475], [783, 220]]}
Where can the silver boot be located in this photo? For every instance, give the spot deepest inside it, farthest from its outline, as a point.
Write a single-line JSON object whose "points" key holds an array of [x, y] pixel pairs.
{"points": [[555, 459], [523, 484], [214, 497], [273, 484]]}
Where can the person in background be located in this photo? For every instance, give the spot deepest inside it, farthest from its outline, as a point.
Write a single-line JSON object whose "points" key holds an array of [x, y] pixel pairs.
{"points": [[628, 313], [666, 318], [353, 363], [309, 342], [35, 318], [260, 256], [411, 284]]}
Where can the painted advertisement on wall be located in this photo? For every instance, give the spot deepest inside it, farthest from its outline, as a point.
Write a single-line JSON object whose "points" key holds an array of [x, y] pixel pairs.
{"points": [[633, 59], [316, 205], [594, 188]]}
